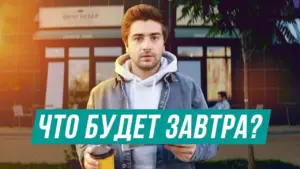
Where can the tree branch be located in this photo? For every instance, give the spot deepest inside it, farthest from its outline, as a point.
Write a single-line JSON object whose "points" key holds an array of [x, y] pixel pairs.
{"points": [[235, 33], [250, 53]]}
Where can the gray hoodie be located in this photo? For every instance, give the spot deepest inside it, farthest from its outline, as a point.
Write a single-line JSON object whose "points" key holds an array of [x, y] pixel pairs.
{"points": [[144, 94]]}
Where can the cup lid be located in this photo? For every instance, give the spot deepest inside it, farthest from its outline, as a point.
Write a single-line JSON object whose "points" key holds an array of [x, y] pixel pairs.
{"points": [[104, 155]]}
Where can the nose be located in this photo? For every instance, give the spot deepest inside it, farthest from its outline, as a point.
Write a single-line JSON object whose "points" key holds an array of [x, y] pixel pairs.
{"points": [[147, 46]]}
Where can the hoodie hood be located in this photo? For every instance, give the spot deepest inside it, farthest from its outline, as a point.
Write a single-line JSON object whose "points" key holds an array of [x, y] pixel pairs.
{"points": [[137, 88], [168, 65]]}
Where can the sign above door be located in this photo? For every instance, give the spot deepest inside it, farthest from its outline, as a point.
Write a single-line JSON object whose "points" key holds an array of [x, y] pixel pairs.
{"points": [[90, 16]]}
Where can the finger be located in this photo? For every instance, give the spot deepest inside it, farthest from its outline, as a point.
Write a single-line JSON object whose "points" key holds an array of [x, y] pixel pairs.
{"points": [[179, 150], [89, 166], [88, 159], [183, 145], [89, 149], [185, 148], [183, 157]]}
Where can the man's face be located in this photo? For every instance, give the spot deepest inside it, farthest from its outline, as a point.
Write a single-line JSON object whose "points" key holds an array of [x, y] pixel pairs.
{"points": [[220, 97], [145, 44]]}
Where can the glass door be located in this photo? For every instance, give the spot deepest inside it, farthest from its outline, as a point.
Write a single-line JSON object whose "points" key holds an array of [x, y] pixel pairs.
{"points": [[78, 77], [55, 77]]}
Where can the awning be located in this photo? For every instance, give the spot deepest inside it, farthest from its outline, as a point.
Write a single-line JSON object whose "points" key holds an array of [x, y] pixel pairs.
{"points": [[295, 30], [77, 34]]}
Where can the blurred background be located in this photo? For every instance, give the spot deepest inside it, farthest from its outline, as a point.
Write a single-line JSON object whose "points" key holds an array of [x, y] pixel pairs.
{"points": [[53, 52]]}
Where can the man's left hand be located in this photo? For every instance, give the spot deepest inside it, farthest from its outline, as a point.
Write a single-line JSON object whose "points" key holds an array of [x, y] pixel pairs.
{"points": [[184, 152]]}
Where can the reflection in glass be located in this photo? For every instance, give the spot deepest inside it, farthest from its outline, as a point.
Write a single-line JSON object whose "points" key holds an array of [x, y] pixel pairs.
{"points": [[191, 51], [218, 78], [228, 51], [79, 52], [78, 83], [55, 84], [191, 69], [54, 52], [107, 51], [104, 70], [215, 51]]}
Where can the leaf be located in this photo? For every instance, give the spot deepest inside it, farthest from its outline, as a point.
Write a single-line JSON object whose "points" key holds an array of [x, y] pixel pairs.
{"points": [[213, 32], [283, 28]]}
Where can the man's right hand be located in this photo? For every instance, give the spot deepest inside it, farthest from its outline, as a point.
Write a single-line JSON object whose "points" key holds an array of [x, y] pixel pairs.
{"points": [[89, 162]]}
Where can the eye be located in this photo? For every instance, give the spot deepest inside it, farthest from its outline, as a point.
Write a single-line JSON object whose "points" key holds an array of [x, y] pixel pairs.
{"points": [[155, 38], [138, 38]]}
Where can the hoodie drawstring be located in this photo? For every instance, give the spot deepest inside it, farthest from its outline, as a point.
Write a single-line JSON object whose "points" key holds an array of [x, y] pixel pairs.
{"points": [[133, 92], [153, 84]]}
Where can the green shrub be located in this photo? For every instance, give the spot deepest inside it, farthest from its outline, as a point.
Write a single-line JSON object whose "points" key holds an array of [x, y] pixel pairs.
{"points": [[222, 164], [243, 164]]}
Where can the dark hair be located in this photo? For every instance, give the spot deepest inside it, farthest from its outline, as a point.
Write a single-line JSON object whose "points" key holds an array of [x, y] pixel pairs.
{"points": [[223, 94], [141, 12]]}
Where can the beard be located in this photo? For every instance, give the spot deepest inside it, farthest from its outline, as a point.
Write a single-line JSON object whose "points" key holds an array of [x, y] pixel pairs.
{"points": [[146, 62]]}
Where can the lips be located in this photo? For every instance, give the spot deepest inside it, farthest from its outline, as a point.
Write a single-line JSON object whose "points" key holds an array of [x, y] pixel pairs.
{"points": [[146, 56]]}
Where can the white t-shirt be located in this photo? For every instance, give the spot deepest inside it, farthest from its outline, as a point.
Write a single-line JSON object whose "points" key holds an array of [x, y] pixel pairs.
{"points": [[224, 104]]}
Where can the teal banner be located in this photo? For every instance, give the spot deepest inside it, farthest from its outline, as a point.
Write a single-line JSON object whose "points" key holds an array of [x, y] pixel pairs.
{"points": [[62, 126]]}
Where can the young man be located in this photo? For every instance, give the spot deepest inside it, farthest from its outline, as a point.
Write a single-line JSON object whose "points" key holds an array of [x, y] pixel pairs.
{"points": [[148, 79], [223, 102]]}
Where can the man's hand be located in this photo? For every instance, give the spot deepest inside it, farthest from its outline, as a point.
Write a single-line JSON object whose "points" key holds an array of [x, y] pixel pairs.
{"points": [[184, 152], [89, 162]]}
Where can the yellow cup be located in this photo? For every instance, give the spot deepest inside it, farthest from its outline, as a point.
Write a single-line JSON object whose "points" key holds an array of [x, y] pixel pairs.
{"points": [[106, 161]]}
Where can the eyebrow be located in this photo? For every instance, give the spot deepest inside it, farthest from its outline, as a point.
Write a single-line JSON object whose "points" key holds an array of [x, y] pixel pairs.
{"points": [[152, 34]]}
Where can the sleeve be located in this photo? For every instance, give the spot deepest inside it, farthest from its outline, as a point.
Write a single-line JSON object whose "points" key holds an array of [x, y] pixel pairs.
{"points": [[91, 101], [199, 101], [80, 148], [203, 151]]}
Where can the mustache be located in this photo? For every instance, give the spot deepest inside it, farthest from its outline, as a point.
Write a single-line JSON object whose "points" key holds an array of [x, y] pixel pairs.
{"points": [[147, 54]]}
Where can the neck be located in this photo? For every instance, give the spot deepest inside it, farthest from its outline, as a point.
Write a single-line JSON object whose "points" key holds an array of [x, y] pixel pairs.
{"points": [[144, 74]]}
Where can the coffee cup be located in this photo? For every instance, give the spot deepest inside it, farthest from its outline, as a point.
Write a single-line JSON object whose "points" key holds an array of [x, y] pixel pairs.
{"points": [[105, 157]]}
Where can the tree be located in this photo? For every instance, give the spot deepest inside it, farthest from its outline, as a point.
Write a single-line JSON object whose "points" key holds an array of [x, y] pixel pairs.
{"points": [[256, 23], [79, 90]]}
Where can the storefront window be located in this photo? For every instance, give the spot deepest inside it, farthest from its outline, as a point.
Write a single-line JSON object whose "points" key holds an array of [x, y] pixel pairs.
{"points": [[191, 69], [107, 51], [78, 83], [55, 52], [190, 51], [55, 84], [228, 51], [218, 77], [104, 70], [215, 51], [75, 52]]}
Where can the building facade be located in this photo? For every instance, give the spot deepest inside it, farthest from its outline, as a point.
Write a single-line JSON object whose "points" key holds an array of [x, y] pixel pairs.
{"points": [[74, 43]]}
